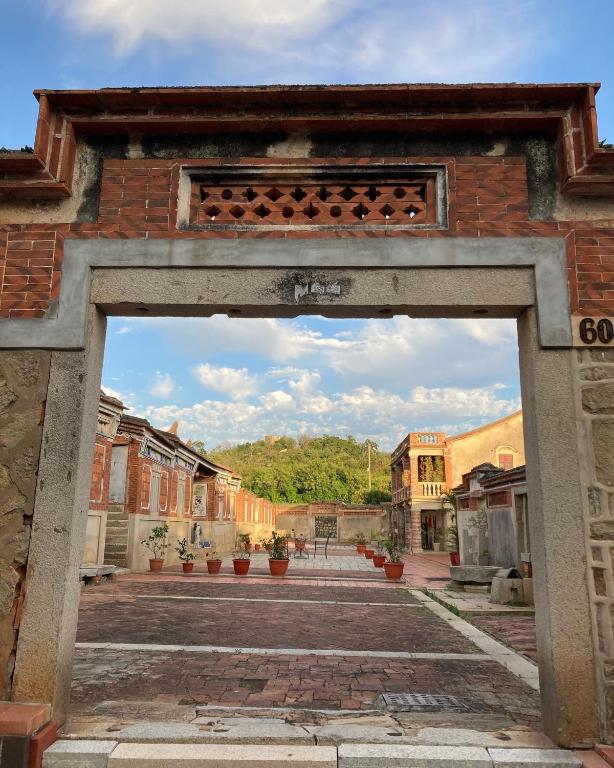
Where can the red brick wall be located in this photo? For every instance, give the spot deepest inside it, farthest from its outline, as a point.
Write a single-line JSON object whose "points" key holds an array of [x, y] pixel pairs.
{"points": [[488, 197]]}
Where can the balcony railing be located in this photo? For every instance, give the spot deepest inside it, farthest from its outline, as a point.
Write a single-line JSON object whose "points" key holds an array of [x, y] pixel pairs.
{"points": [[401, 495], [433, 490], [421, 491]]}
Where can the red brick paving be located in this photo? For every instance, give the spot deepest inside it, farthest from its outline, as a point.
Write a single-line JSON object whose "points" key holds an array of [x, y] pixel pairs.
{"points": [[290, 681], [248, 589], [430, 569], [137, 609], [517, 632], [114, 617]]}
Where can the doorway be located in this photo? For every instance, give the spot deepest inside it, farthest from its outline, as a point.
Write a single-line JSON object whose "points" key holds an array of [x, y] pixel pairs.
{"points": [[261, 287]]}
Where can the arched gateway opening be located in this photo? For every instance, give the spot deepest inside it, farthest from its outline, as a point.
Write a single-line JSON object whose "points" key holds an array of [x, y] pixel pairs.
{"points": [[232, 211]]}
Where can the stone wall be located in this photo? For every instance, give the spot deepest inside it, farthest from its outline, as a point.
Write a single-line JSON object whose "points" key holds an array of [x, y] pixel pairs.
{"points": [[24, 377], [596, 376]]}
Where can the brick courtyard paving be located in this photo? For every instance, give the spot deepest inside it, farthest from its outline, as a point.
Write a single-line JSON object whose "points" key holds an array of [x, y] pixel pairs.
{"points": [[517, 632], [318, 643]]}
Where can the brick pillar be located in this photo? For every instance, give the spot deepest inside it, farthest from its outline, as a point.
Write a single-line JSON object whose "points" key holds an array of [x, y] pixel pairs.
{"points": [[415, 533]]}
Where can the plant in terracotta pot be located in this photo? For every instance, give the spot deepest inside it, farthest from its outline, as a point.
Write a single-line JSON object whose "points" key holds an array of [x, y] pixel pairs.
{"points": [[448, 500], [452, 544], [278, 550], [156, 543], [186, 556], [240, 561], [361, 543], [214, 563], [379, 558], [394, 565]]}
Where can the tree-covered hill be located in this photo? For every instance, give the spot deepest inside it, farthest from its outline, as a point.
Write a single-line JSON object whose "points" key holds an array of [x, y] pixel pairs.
{"points": [[311, 469]]}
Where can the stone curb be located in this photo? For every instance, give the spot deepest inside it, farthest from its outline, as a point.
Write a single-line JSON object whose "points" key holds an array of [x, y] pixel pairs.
{"points": [[110, 754]]}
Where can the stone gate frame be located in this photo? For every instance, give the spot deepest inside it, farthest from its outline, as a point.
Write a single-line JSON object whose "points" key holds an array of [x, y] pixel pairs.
{"points": [[521, 278], [510, 238]]}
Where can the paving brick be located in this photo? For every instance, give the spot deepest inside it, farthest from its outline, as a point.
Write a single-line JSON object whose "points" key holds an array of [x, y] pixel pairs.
{"points": [[22, 719], [41, 741]]}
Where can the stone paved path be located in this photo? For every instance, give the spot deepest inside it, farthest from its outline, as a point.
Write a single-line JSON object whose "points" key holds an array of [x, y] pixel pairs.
{"points": [[323, 615]]}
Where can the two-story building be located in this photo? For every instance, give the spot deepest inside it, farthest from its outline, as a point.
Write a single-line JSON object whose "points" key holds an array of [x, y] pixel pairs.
{"points": [[110, 412], [425, 466]]}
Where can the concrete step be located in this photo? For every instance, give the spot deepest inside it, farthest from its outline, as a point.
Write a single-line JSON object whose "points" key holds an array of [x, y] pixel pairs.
{"points": [[219, 755], [418, 756], [82, 753]]}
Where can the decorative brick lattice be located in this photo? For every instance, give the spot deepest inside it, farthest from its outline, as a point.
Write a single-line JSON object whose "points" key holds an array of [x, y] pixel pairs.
{"points": [[407, 203]]}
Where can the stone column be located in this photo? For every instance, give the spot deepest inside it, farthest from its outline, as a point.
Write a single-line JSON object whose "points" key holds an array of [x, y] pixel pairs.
{"points": [[46, 639], [596, 373], [555, 455], [24, 378]]}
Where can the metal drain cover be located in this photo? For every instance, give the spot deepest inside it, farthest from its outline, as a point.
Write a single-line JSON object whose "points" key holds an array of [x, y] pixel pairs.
{"points": [[423, 702]]}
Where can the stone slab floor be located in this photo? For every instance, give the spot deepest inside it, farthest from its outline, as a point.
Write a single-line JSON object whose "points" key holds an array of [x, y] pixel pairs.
{"points": [[156, 647]]}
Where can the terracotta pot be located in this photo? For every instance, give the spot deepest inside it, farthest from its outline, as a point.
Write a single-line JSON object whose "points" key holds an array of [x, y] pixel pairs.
{"points": [[379, 560], [454, 558], [213, 566], [394, 570], [278, 567], [369, 554], [155, 565], [187, 567], [360, 548], [241, 566]]}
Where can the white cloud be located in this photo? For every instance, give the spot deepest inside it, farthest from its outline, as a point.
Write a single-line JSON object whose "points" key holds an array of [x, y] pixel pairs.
{"points": [[247, 22], [163, 385], [237, 383], [328, 40], [127, 398], [277, 400], [363, 412]]}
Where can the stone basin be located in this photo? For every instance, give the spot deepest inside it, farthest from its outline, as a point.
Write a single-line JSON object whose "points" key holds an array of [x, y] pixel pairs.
{"points": [[474, 574]]}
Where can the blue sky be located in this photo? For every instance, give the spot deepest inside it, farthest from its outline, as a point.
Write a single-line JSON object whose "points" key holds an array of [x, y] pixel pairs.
{"points": [[239, 379]]}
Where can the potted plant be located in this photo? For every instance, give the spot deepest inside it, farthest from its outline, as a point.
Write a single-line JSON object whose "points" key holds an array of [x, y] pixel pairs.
{"points": [[214, 563], [278, 561], [379, 558], [361, 543], [437, 540], [453, 545], [240, 561], [156, 543], [448, 500], [245, 540], [266, 544], [185, 555], [394, 565]]}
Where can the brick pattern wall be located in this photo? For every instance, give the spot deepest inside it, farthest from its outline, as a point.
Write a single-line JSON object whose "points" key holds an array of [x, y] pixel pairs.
{"points": [[101, 474], [314, 204], [488, 197]]}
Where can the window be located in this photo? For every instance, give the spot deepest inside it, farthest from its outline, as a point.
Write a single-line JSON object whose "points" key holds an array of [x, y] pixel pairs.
{"points": [[181, 497], [154, 504], [506, 457]]}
